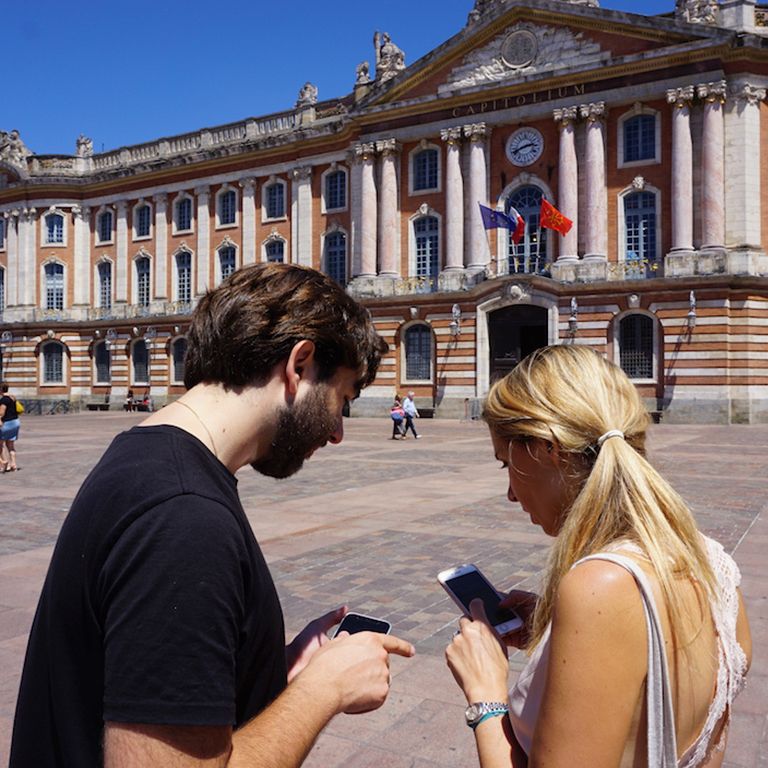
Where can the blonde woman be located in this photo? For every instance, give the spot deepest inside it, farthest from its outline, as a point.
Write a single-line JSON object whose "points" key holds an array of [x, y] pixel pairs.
{"points": [[639, 641]]}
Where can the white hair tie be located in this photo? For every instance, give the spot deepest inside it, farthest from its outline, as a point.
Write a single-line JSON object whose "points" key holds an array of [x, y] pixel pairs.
{"points": [[608, 435]]}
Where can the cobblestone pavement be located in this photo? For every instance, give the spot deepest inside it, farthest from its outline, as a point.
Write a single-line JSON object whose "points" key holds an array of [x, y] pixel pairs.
{"points": [[370, 522]]}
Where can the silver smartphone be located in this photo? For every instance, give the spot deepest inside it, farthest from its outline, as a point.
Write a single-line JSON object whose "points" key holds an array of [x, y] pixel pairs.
{"points": [[359, 622], [466, 582]]}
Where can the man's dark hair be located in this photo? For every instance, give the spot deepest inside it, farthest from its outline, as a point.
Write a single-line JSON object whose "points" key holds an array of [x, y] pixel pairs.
{"points": [[247, 325]]}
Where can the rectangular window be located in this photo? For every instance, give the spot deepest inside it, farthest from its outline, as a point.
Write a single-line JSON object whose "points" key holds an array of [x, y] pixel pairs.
{"points": [[2, 234], [105, 285], [425, 170], [640, 138], [335, 190], [105, 227], [54, 286], [102, 360], [140, 360], [143, 221], [275, 201], [227, 207], [2, 290], [418, 353], [275, 250], [179, 350], [227, 261], [53, 364], [636, 346], [184, 214], [142, 282], [54, 228], [184, 277]]}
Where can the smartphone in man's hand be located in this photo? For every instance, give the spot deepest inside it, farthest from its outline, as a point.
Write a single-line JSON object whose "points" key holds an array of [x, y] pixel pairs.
{"points": [[359, 622]]}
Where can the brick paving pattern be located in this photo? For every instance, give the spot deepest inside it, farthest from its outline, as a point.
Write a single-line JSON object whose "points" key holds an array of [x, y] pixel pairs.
{"points": [[370, 523]]}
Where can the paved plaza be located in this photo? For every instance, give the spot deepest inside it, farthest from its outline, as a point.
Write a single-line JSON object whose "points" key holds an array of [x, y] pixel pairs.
{"points": [[370, 523]]}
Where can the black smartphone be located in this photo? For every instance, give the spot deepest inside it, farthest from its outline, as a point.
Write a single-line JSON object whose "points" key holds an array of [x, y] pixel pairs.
{"points": [[466, 582], [359, 622]]}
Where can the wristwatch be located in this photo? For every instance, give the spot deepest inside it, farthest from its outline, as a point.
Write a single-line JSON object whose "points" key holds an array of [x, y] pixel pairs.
{"points": [[481, 710]]}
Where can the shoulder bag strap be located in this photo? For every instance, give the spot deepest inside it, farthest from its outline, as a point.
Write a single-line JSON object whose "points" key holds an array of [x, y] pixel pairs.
{"points": [[662, 742]]}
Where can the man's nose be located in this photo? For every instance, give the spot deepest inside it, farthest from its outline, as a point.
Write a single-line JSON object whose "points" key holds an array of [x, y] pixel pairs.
{"points": [[338, 434]]}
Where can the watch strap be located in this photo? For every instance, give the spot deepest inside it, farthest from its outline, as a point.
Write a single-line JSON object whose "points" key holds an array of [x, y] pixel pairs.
{"points": [[488, 715]]}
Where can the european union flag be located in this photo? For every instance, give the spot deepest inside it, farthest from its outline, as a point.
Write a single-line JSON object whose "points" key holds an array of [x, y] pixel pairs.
{"points": [[495, 219]]}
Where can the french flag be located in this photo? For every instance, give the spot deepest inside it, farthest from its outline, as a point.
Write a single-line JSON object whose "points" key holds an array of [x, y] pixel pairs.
{"points": [[519, 221]]}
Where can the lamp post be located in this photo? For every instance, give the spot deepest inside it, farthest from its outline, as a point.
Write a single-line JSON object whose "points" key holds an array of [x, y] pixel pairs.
{"points": [[691, 319], [573, 320], [455, 324]]}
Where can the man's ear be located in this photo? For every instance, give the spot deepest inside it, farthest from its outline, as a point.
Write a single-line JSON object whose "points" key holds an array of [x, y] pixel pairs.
{"points": [[300, 364]]}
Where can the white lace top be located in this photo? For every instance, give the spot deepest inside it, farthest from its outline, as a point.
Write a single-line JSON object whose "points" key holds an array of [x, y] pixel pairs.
{"points": [[525, 697]]}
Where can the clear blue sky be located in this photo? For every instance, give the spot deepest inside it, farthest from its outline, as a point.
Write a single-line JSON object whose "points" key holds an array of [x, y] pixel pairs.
{"points": [[124, 73]]}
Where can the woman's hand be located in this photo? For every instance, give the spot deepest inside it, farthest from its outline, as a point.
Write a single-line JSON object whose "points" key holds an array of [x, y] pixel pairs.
{"points": [[523, 604], [477, 657]]}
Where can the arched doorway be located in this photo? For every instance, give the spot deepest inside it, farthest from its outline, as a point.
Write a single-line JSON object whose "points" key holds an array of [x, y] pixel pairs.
{"points": [[513, 333]]}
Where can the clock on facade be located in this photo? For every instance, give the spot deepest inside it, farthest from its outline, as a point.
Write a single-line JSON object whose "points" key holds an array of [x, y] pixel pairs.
{"points": [[525, 146]]}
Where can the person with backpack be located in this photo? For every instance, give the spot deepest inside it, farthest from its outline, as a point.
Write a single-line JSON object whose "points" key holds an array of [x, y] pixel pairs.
{"points": [[10, 409]]}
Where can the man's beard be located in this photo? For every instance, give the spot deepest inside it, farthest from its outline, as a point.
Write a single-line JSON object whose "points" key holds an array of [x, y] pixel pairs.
{"points": [[302, 428]]}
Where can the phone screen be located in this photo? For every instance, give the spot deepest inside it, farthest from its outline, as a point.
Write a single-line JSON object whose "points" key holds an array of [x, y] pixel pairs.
{"points": [[355, 622], [468, 586]]}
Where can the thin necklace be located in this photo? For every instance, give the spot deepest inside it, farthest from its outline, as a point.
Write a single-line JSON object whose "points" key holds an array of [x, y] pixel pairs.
{"points": [[202, 424]]}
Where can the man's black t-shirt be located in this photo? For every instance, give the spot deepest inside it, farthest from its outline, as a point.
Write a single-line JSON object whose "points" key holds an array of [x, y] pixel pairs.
{"points": [[158, 606]]}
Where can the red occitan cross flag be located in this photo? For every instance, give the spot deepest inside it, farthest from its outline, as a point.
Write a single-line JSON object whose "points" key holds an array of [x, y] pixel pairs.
{"points": [[551, 218]]}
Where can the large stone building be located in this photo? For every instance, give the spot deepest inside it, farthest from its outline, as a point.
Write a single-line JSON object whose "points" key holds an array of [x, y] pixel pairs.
{"points": [[645, 131]]}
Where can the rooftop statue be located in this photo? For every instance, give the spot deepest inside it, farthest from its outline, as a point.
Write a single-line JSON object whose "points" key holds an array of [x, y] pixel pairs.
{"points": [[12, 149], [84, 146], [389, 58], [307, 95]]}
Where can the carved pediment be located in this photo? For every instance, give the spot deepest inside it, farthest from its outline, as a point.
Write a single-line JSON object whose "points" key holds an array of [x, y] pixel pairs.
{"points": [[522, 50]]}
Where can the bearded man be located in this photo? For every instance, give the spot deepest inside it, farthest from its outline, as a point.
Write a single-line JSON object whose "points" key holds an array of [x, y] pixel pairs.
{"points": [[159, 638]]}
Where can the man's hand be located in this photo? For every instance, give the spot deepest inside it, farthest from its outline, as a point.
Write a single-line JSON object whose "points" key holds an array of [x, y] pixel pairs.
{"points": [[355, 668], [310, 639]]}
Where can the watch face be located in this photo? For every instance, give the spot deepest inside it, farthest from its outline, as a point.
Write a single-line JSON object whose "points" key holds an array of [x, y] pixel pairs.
{"points": [[525, 146], [474, 712]]}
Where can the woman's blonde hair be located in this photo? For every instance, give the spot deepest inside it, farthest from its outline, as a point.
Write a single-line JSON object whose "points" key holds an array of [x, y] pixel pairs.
{"points": [[571, 396]]}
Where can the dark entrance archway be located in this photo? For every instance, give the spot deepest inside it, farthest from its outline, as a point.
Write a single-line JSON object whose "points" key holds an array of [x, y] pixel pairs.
{"points": [[514, 332]]}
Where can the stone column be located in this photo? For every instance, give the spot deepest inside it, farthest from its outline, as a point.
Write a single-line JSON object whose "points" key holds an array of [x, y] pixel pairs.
{"points": [[27, 264], [389, 230], [121, 271], [368, 213], [742, 184], [249, 221], [355, 211], [161, 246], [203, 257], [682, 169], [478, 253], [301, 216], [713, 169], [12, 256], [596, 202], [454, 200], [82, 295], [568, 182]]}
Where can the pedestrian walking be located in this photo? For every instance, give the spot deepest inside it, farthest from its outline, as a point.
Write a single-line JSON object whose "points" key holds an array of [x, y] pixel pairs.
{"points": [[639, 642], [10, 410], [397, 414], [411, 413]]}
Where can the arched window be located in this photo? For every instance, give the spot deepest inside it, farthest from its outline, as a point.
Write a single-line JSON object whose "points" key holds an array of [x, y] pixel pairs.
{"points": [[636, 346], [143, 220], [424, 170], [426, 231], [178, 350], [639, 138], [53, 362], [104, 227], [227, 207], [530, 254], [54, 286], [418, 353], [54, 228], [275, 250], [335, 190], [639, 234], [140, 362], [142, 281], [227, 261], [105, 285], [183, 214], [336, 256], [274, 200], [184, 276], [103, 362]]}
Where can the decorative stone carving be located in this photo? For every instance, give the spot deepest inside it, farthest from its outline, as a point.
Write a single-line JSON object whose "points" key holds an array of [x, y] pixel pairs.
{"points": [[12, 149], [638, 183], [476, 131], [680, 97], [524, 49], [711, 92], [751, 94], [84, 146], [302, 174], [633, 301], [592, 111], [517, 292], [565, 116], [389, 58], [365, 150], [363, 73], [307, 96], [697, 11], [387, 147], [451, 135]]}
